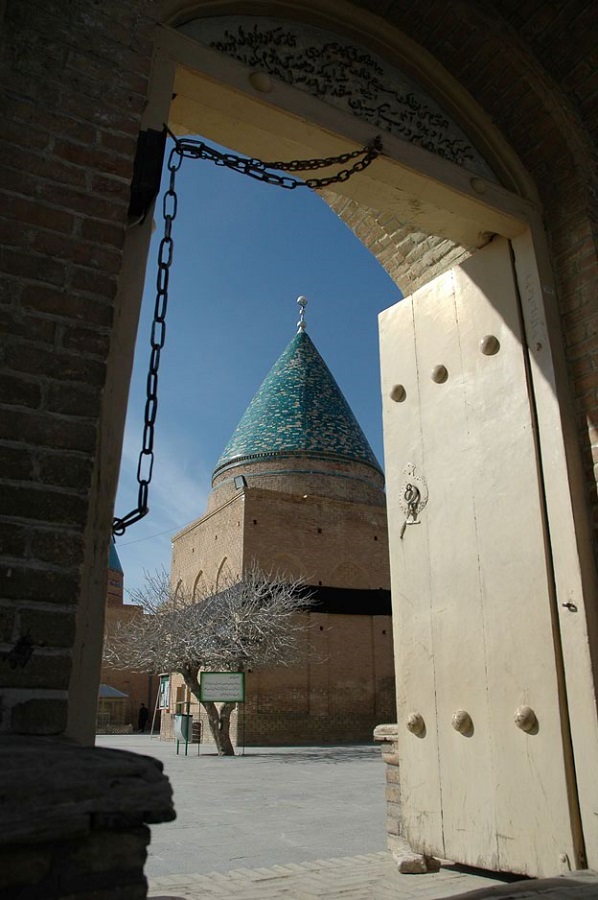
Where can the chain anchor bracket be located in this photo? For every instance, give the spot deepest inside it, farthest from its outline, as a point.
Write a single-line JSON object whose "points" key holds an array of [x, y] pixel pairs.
{"points": [[191, 148]]}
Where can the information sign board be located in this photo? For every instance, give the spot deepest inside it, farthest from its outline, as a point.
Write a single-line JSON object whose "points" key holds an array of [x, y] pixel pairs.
{"points": [[164, 692], [222, 687]]}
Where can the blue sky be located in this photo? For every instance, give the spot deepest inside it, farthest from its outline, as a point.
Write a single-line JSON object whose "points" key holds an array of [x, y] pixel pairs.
{"points": [[244, 251]]}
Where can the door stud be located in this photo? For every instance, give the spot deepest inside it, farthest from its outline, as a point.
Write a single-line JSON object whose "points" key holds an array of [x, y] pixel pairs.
{"points": [[489, 345], [526, 719], [462, 722], [415, 724]]}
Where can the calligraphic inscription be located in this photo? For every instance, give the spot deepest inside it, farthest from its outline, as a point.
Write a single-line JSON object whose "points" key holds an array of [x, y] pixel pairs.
{"points": [[344, 75], [222, 687]]}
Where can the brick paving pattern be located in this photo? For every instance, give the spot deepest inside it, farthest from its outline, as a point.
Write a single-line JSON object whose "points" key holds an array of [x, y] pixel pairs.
{"points": [[370, 877]]}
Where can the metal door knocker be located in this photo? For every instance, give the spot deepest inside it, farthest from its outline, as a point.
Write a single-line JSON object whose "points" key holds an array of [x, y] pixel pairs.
{"points": [[413, 496]]}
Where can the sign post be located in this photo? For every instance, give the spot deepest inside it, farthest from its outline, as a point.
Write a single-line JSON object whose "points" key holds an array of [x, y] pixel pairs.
{"points": [[223, 687]]}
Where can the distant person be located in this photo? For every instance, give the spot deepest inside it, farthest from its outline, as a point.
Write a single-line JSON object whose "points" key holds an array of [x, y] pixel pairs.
{"points": [[142, 718]]}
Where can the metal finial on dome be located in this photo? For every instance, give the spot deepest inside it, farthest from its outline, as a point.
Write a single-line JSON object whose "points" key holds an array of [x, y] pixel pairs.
{"points": [[301, 303]]}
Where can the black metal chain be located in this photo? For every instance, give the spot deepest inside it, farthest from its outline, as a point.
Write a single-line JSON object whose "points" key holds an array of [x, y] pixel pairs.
{"points": [[145, 465], [254, 168], [266, 171]]}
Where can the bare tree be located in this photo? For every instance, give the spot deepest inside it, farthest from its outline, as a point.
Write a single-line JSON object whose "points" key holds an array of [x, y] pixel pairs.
{"points": [[253, 623]]}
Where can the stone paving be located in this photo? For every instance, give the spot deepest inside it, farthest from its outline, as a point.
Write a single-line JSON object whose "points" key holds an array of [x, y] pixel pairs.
{"points": [[370, 877], [273, 806], [305, 822]]}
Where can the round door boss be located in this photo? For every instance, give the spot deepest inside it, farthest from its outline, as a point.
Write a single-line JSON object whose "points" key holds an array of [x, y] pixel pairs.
{"points": [[415, 723], [525, 718], [462, 722]]}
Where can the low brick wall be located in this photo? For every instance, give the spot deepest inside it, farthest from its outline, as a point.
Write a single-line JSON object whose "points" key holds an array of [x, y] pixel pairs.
{"points": [[75, 820], [289, 729], [387, 736], [281, 729]]}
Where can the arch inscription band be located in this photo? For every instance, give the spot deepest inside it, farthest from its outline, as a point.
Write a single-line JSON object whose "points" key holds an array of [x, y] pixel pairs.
{"points": [[343, 74]]}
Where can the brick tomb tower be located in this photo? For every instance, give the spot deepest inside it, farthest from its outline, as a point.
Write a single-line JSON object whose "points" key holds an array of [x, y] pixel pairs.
{"points": [[121, 690], [298, 491]]}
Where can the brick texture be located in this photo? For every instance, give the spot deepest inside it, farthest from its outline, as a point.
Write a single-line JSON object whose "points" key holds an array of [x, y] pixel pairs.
{"points": [[140, 687], [326, 539], [74, 84], [533, 68]]}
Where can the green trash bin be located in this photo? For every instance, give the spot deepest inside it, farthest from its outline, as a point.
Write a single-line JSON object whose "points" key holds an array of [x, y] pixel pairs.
{"points": [[183, 727]]}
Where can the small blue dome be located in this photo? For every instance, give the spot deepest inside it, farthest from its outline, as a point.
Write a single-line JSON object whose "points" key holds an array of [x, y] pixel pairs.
{"points": [[114, 561], [299, 410]]}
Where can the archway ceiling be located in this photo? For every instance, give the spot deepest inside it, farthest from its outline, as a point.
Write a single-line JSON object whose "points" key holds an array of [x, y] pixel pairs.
{"points": [[564, 44], [416, 226], [411, 257]]}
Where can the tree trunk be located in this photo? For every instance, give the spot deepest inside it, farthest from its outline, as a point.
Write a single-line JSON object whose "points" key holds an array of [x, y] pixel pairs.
{"points": [[218, 719], [219, 722]]}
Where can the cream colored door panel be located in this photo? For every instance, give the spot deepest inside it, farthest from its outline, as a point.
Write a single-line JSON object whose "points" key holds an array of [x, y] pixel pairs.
{"points": [[471, 580], [515, 573], [416, 682], [456, 622]]}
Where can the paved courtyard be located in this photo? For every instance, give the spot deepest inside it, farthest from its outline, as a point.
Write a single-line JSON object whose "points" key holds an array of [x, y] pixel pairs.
{"points": [[371, 876], [297, 823], [271, 806]]}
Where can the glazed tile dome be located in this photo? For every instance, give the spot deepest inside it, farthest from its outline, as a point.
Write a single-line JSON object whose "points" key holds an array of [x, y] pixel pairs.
{"points": [[114, 562], [298, 411]]}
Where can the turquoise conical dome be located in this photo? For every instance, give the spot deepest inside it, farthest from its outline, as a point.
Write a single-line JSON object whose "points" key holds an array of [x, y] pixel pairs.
{"points": [[299, 410], [114, 562]]}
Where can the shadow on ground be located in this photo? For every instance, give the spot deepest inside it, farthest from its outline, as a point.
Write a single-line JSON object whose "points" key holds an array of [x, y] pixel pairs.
{"points": [[333, 754], [507, 877]]}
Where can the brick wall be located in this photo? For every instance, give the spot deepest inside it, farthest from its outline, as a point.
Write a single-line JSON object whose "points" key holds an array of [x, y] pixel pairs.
{"points": [[209, 548], [411, 258], [531, 66], [74, 80], [74, 86], [337, 700], [349, 480], [388, 736], [330, 542], [140, 687], [324, 540], [75, 820]]}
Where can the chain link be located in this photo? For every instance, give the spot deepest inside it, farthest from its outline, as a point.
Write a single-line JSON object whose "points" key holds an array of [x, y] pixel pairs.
{"points": [[145, 465], [266, 171], [254, 168]]}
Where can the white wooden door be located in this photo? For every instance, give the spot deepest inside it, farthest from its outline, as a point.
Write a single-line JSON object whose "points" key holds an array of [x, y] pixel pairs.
{"points": [[485, 770]]}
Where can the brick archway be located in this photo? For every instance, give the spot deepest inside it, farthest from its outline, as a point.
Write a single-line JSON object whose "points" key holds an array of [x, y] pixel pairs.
{"points": [[68, 247], [527, 72]]}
